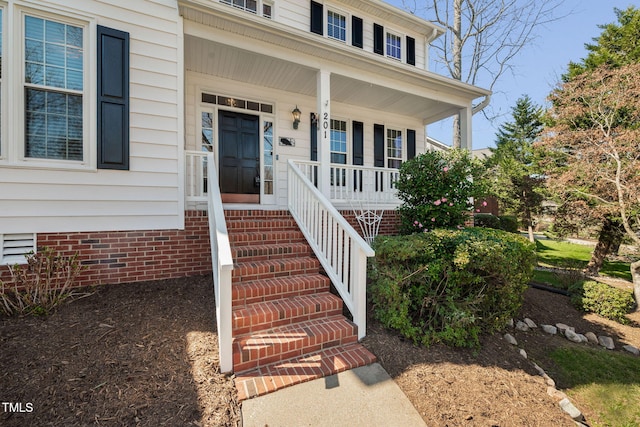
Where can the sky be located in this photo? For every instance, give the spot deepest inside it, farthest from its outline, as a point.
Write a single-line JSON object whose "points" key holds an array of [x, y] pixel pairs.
{"points": [[538, 66]]}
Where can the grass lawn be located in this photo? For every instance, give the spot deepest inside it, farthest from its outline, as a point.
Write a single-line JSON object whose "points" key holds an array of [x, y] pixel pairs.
{"points": [[606, 382], [552, 253]]}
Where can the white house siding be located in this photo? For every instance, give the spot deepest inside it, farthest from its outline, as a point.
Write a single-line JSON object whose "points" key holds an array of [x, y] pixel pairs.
{"points": [[148, 196], [284, 102]]}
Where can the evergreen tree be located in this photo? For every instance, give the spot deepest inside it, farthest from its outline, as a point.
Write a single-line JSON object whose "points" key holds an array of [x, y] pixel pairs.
{"points": [[616, 46], [516, 181]]}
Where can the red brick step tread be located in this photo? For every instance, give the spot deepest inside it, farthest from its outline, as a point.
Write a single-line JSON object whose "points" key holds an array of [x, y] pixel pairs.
{"points": [[268, 269], [301, 369], [275, 313], [264, 252], [278, 287], [295, 340], [265, 237]]}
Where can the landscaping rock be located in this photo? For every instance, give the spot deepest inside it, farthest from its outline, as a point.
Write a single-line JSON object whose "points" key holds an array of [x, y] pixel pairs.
{"points": [[550, 329], [510, 339], [521, 326], [523, 353], [572, 336], [530, 323], [556, 394], [562, 327], [606, 342], [631, 349], [510, 323], [591, 337], [573, 412]]}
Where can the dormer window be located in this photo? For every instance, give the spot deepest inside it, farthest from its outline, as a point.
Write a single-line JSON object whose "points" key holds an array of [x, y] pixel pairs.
{"points": [[336, 26]]}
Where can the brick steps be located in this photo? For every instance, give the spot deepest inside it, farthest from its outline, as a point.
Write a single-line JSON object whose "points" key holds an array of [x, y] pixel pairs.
{"points": [[287, 326], [297, 370]]}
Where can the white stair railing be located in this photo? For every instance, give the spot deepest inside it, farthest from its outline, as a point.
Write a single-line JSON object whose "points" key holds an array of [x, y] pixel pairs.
{"points": [[338, 246], [222, 264], [196, 175]]}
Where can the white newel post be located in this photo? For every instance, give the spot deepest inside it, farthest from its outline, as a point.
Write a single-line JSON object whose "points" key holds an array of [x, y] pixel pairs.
{"points": [[324, 129], [465, 128]]}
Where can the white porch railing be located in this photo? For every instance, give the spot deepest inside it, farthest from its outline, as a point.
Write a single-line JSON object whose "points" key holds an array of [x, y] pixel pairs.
{"points": [[221, 260], [196, 175], [339, 248], [372, 187]]}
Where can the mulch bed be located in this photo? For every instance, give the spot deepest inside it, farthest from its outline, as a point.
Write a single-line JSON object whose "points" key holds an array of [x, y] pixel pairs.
{"points": [[145, 354]]}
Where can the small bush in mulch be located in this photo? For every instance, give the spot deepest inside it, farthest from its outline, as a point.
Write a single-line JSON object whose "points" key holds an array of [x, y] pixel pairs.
{"points": [[602, 299], [449, 285], [43, 283]]}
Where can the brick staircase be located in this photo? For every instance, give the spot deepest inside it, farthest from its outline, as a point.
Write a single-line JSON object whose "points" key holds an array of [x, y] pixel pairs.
{"points": [[288, 327]]}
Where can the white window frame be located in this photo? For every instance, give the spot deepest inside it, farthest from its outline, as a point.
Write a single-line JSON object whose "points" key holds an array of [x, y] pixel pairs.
{"points": [[387, 147], [386, 45], [15, 85], [347, 139], [346, 24]]}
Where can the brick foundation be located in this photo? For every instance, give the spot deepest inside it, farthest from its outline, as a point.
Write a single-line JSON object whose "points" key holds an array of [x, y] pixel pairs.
{"points": [[135, 256]]}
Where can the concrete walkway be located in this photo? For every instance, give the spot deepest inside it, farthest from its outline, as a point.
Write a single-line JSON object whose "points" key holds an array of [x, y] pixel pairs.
{"points": [[365, 396]]}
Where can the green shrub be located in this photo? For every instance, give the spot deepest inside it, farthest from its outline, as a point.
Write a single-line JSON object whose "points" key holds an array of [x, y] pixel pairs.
{"points": [[602, 299], [436, 189], [508, 223], [449, 285], [44, 282], [486, 220]]}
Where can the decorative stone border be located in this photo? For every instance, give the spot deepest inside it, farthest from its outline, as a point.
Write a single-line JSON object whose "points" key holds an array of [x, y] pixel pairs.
{"points": [[569, 332]]}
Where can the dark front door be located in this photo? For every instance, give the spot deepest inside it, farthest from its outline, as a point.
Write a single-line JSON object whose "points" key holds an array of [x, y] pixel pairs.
{"points": [[239, 142]]}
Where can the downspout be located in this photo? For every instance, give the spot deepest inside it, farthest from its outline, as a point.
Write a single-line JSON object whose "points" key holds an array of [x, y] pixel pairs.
{"points": [[482, 105]]}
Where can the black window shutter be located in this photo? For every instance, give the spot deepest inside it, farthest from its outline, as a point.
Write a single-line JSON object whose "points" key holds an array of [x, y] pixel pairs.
{"points": [[378, 146], [411, 51], [378, 39], [356, 31], [358, 143], [314, 138], [316, 18], [113, 99], [411, 144]]}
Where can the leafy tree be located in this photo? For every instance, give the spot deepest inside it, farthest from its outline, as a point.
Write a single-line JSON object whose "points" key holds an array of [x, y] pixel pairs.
{"points": [[594, 146], [515, 178], [437, 188], [482, 37], [616, 46]]}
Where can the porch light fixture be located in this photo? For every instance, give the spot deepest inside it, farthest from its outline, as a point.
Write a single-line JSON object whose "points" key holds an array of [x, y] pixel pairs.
{"points": [[296, 117]]}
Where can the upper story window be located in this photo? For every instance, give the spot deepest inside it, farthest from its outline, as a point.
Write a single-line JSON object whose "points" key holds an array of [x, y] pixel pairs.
{"points": [[336, 26], [394, 148], [394, 46], [54, 89], [252, 6], [267, 10]]}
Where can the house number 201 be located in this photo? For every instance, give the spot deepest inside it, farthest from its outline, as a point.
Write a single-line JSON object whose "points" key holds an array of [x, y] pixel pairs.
{"points": [[325, 123]]}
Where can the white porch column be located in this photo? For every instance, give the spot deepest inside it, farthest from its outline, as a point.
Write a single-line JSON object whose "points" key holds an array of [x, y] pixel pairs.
{"points": [[324, 131], [465, 128]]}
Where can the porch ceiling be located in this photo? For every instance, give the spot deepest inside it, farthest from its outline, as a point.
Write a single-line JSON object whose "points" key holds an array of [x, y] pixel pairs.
{"points": [[229, 62]]}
